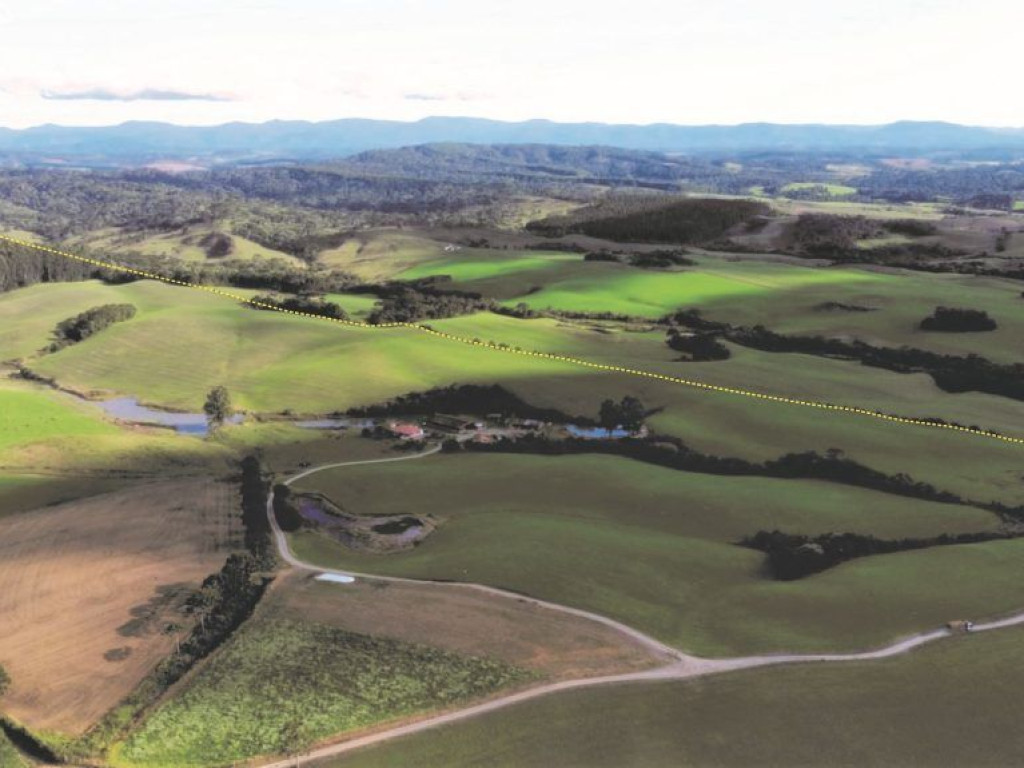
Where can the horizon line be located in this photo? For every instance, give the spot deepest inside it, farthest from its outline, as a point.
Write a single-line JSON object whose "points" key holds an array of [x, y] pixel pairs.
{"points": [[656, 124]]}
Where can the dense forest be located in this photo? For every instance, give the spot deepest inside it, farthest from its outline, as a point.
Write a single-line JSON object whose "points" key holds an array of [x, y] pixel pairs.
{"points": [[21, 267], [647, 219]]}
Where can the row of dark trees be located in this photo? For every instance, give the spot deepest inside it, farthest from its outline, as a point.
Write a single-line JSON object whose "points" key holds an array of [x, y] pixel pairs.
{"points": [[421, 300], [794, 556], [90, 322], [306, 304], [952, 373], [660, 258], [698, 347], [477, 399], [22, 266], [671, 452]]}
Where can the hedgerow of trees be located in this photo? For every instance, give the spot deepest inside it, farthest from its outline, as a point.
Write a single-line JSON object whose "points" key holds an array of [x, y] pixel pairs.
{"points": [[88, 323], [306, 304]]}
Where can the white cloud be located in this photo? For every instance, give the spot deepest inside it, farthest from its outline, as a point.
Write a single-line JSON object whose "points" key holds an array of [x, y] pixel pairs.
{"points": [[143, 94], [688, 61]]}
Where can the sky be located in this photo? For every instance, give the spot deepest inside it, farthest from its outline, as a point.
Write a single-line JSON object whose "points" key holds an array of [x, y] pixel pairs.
{"points": [[202, 62]]}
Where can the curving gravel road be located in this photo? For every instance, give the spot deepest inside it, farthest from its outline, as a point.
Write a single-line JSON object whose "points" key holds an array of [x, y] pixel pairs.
{"points": [[678, 665]]}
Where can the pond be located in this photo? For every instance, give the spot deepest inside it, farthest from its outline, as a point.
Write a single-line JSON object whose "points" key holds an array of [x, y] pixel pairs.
{"points": [[596, 433], [129, 409]]}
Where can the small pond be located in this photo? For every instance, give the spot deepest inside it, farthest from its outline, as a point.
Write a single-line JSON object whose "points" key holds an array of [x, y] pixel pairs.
{"points": [[596, 433], [129, 409]]}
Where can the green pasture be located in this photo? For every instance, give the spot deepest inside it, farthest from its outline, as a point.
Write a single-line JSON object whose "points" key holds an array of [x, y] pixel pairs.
{"points": [[185, 341], [731, 425], [45, 433], [607, 287], [489, 264], [928, 211], [32, 416], [357, 305], [655, 548], [280, 686], [950, 703], [9, 756], [899, 300], [835, 190]]}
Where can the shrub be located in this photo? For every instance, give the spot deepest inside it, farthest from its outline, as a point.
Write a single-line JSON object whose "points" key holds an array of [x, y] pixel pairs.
{"points": [[956, 320]]}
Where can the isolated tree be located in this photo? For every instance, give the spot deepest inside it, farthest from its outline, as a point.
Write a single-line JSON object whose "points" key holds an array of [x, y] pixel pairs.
{"points": [[628, 413], [5, 681], [631, 413], [608, 416], [217, 407]]}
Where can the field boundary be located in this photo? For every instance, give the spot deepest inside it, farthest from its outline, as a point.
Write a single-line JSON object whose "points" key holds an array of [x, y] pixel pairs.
{"points": [[496, 347]]}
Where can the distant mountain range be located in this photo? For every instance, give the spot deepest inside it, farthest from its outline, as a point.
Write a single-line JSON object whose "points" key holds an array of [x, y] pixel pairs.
{"points": [[299, 140]]}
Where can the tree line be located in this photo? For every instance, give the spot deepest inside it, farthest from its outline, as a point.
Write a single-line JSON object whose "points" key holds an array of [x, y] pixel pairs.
{"points": [[795, 556], [673, 453], [951, 373], [307, 304], [89, 323]]}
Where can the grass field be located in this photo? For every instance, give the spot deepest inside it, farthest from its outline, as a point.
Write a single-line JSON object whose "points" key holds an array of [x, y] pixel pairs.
{"points": [[952, 703], [28, 416], [358, 306], [835, 190], [381, 254], [654, 548], [480, 266], [48, 433], [182, 244], [89, 585], [268, 361], [272, 363], [606, 287], [550, 643], [9, 756], [282, 685]]}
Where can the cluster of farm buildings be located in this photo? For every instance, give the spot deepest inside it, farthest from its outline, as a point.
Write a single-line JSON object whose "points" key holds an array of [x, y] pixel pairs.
{"points": [[442, 425], [495, 426]]}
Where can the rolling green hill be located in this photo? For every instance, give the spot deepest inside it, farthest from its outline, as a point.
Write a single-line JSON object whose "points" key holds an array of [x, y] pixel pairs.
{"points": [[655, 548]]}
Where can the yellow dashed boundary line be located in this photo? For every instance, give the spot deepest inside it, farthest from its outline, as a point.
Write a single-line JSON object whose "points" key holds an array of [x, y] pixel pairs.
{"points": [[526, 353]]}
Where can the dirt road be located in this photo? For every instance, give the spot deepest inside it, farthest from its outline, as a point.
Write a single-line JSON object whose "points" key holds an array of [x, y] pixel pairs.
{"points": [[678, 666]]}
